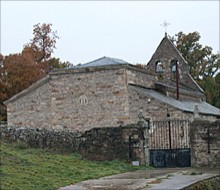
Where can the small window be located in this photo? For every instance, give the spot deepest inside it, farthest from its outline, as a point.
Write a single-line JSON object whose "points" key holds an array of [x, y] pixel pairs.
{"points": [[159, 67], [173, 66]]}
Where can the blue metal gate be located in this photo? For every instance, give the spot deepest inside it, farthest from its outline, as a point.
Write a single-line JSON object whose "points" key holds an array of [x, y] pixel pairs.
{"points": [[169, 143]]}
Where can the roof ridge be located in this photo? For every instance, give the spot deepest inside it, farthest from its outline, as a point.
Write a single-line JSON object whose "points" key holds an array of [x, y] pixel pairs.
{"points": [[105, 60], [176, 49], [114, 59], [94, 60], [197, 85]]}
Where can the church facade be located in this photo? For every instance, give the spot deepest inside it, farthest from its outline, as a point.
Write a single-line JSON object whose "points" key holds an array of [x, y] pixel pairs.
{"points": [[111, 92]]}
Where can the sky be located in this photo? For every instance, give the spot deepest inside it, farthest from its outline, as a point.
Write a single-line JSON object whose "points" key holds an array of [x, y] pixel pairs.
{"points": [[88, 30]]}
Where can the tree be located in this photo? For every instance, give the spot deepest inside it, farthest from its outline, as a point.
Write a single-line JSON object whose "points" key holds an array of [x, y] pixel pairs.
{"points": [[217, 94], [43, 43], [3, 92], [55, 63], [211, 85], [202, 62], [204, 66], [18, 71]]}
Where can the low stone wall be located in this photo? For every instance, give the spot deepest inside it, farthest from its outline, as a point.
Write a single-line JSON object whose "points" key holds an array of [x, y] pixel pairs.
{"points": [[125, 143], [205, 143]]}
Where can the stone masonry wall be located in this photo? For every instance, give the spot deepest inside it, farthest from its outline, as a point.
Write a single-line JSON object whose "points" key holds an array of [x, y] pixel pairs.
{"points": [[152, 108], [33, 109], [140, 77], [83, 100], [183, 95], [205, 152], [125, 143], [79, 99], [165, 53]]}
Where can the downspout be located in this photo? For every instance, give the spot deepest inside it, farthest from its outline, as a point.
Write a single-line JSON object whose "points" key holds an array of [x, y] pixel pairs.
{"points": [[177, 80]]}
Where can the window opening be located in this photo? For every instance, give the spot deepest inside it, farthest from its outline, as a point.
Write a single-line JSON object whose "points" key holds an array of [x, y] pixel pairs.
{"points": [[159, 67]]}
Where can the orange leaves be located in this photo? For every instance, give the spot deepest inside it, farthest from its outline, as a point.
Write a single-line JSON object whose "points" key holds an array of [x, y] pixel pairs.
{"points": [[18, 71], [43, 42]]}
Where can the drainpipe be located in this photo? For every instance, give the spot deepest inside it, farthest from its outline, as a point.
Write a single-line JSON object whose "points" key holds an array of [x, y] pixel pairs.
{"points": [[177, 80]]}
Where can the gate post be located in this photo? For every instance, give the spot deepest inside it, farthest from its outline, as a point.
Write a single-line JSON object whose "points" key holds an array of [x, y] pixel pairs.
{"points": [[145, 126]]}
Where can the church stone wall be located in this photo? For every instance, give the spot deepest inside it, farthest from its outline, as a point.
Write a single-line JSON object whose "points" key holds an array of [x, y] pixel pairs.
{"points": [[140, 77], [78, 99], [81, 101], [165, 53], [156, 110], [183, 95], [152, 108], [32, 109]]}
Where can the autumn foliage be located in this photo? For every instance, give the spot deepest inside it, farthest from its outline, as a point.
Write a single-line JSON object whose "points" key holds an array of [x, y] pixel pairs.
{"points": [[18, 71]]}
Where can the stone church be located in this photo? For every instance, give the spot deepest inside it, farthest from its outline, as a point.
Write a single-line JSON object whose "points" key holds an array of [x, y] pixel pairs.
{"points": [[111, 92]]}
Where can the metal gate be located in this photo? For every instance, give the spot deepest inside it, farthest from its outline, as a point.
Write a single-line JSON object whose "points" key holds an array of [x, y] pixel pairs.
{"points": [[169, 143]]}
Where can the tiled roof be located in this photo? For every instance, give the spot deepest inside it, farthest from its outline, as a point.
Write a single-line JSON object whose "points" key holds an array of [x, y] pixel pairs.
{"points": [[188, 106], [103, 61]]}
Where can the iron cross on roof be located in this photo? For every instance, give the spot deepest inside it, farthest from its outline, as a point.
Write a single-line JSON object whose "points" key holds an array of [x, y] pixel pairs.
{"points": [[165, 25]]}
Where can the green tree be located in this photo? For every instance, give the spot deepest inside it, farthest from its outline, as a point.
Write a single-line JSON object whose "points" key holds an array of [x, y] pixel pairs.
{"points": [[217, 95], [55, 63], [202, 62], [204, 65], [211, 86]]}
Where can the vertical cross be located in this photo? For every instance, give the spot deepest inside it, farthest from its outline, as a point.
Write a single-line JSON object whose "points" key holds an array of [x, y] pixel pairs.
{"points": [[165, 25], [208, 137]]}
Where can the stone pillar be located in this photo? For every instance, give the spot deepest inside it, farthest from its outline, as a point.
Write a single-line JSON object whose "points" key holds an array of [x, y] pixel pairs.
{"points": [[144, 123], [196, 111], [146, 143]]}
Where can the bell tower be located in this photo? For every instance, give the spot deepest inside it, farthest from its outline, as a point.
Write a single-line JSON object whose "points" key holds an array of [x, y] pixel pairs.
{"points": [[172, 71]]}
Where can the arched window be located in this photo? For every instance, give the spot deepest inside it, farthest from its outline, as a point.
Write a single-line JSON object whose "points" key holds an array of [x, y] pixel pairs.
{"points": [[159, 67]]}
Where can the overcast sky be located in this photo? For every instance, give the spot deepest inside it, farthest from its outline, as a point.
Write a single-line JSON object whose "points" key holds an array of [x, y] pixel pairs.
{"points": [[88, 30]]}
